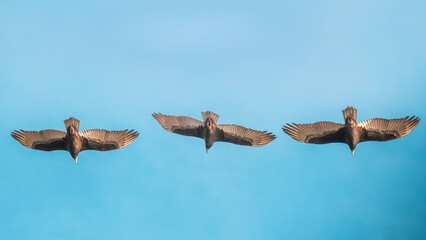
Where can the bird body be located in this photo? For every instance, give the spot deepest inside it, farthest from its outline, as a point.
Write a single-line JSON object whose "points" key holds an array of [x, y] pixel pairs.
{"points": [[210, 129], [352, 132], [211, 132], [73, 141]]}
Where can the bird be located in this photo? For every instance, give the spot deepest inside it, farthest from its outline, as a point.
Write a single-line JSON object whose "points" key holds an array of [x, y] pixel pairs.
{"points": [[212, 132], [74, 141], [352, 132]]}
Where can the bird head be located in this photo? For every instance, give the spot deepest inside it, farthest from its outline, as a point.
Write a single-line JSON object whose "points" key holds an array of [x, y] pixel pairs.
{"points": [[209, 144], [352, 147], [74, 156]]}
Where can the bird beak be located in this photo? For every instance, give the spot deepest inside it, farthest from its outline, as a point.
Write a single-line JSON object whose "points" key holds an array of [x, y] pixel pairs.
{"points": [[353, 152], [207, 150], [75, 159]]}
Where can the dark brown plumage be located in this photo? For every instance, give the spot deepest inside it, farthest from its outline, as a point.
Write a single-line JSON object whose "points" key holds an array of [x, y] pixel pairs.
{"points": [[352, 133], [212, 132], [73, 141]]}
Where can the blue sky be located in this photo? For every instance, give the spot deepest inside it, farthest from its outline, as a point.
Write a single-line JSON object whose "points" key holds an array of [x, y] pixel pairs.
{"points": [[258, 64]]}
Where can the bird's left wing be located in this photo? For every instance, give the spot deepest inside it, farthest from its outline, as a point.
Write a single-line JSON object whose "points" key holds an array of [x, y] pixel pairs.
{"points": [[182, 125], [45, 140], [104, 140], [243, 136], [380, 129]]}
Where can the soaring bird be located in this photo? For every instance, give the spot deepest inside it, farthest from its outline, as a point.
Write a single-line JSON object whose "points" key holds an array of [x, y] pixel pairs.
{"points": [[352, 132], [212, 132], [73, 141]]}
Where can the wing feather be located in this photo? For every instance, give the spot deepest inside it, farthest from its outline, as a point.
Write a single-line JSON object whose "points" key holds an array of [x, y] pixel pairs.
{"points": [[104, 140], [380, 129], [180, 124], [319, 132], [243, 136], [45, 140]]}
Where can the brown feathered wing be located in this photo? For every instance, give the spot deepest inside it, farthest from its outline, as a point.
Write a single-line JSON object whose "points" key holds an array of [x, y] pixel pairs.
{"points": [[380, 129], [103, 140], [243, 136], [46, 140], [180, 124], [319, 132]]}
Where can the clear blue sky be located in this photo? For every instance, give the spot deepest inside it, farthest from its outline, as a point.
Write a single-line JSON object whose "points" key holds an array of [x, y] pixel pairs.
{"points": [[259, 64]]}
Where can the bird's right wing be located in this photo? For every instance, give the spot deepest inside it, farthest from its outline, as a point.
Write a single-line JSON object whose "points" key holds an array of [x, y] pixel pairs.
{"points": [[319, 132], [45, 140], [104, 140], [380, 129], [243, 136], [180, 124]]}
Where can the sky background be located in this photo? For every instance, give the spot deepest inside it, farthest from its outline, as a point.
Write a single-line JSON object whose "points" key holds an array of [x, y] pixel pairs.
{"points": [[260, 64]]}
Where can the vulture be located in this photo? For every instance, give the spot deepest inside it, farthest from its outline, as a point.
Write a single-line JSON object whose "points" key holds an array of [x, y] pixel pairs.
{"points": [[73, 141], [212, 132], [352, 132]]}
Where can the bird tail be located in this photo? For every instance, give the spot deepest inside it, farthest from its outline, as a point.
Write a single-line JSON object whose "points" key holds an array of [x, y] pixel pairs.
{"points": [[213, 116], [72, 122], [349, 112]]}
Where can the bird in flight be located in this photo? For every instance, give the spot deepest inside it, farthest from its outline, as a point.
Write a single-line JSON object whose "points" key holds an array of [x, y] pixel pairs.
{"points": [[352, 132], [74, 141], [212, 132]]}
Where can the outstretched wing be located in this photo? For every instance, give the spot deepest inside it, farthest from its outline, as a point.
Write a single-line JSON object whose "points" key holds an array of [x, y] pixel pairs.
{"points": [[45, 140], [103, 140], [180, 124], [380, 129], [319, 132], [243, 136]]}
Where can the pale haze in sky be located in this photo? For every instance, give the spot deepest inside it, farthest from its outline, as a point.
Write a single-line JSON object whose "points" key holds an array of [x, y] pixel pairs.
{"points": [[260, 64]]}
